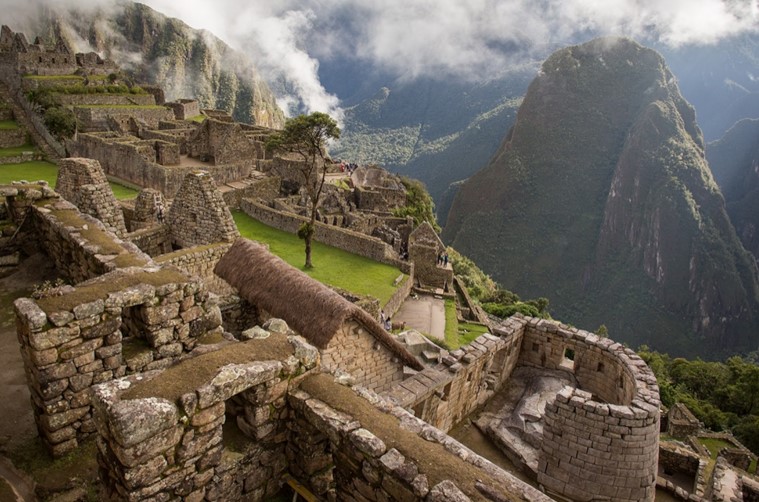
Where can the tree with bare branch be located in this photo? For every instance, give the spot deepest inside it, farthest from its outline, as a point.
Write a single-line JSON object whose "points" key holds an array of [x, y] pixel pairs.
{"points": [[307, 136]]}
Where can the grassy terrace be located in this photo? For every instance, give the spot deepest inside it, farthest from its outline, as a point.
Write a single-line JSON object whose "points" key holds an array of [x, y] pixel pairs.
{"points": [[41, 170], [458, 334], [8, 125], [125, 107], [54, 77], [17, 150], [332, 266]]}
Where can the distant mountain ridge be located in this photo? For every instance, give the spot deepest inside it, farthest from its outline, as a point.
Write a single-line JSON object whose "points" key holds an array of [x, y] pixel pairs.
{"points": [[600, 198], [186, 62]]}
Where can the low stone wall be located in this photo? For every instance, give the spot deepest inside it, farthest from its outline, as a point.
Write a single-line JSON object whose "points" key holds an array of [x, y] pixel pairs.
{"points": [[749, 489], [74, 340], [23, 157], [677, 460], [198, 261], [264, 189], [153, 241], [10, 138], [349, 454], [81, 247], [105, 99], [466, 379], [400, 295], [157, 448], [95, 118], [341, 238]]}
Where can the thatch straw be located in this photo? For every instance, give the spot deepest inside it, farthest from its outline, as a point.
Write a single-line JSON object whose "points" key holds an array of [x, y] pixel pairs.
{"points": [[308, 307]]}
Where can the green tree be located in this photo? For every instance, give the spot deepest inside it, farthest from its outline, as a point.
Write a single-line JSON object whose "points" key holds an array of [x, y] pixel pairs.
{"points": [[60, 121], [307, 136], [419, 203]]}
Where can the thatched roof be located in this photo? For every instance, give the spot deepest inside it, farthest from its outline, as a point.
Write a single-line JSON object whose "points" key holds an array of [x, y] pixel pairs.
{"points": [[309, 307]]}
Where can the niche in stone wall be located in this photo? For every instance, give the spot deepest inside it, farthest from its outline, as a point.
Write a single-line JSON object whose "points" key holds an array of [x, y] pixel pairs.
{"points": [[568, 359]]}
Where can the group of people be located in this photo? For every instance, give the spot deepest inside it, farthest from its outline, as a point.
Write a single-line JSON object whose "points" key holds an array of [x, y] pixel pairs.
{"points": [[350, 167], [442, 259]]}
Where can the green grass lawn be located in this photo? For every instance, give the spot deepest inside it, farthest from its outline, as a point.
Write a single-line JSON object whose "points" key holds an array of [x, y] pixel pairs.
{"points": [[54, 77], [8, 125], [458, 334], [29, 171], [332, 266], [198, 118], [41, 170], [125, 107], [714, 445], [17, 150]]}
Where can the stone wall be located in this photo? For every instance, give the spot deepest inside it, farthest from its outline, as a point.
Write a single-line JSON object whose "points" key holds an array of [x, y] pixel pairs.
{"points": [[674, 459], [749, 489], [350, 454], [406, 284], [223, 439], [466, 379], [596, 446], [263, 188], [355, 351], [136, 161], [83, 183], [428, 272], [200, 261], [95, 118], [198, 214], [348, 240], [10, 138], [74, 340], [81, 247], [184, 108], [105, 99], [379, 198], [153, 241], [222, 143]]}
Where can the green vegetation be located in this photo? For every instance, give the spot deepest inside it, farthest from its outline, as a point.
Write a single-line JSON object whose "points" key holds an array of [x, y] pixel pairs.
{"points": [[54, 77], [469, 331], [458, 334], [53, 475], [80, 88], [477, 282], [723, 395], [41, 170], [198, 118], [17, 150], [334, 267], [419, 204], [8, 125], [29, 171], [60, 121], [122, 192], [125, 107]]}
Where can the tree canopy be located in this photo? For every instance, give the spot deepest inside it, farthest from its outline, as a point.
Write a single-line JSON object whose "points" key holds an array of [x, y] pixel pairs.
{"points": [[307, 136]]}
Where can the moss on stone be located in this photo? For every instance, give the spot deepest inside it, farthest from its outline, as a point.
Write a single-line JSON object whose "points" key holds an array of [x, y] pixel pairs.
{"points": [[134, 346], [192, 374], [109, 284]]}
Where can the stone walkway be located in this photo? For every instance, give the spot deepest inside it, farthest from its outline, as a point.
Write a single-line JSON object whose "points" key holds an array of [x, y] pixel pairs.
{"points": [[425, 314]]}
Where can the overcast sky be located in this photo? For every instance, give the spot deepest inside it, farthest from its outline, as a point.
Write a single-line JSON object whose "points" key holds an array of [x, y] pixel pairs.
{"points": [[444, 38]]}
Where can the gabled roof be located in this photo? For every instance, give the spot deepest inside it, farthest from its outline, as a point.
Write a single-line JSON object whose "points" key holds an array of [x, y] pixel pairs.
{"points": [[308, 306]]}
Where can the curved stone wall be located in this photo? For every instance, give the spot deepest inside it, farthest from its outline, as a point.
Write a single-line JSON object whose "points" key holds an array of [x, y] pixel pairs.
{"points": [[600, 442]]}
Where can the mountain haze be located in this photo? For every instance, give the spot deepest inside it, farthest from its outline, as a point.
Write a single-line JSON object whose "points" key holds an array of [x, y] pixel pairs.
{"points": [[734, 160], [600, 198], [154, 48]]}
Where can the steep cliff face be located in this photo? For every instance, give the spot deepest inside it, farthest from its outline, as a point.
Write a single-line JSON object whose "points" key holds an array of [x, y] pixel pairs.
{"points": [[187, 63], [600, 199], [734, 160]]}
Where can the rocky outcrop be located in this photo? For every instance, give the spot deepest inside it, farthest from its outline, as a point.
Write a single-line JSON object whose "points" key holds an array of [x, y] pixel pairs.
{"points": [[600, 198]]}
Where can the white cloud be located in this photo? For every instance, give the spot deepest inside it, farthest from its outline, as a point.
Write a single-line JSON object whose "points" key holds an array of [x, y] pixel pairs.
{"points": [[445, 38]]}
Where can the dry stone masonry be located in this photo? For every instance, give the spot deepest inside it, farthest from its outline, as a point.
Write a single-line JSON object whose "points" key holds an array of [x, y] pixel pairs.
{"points": [[198, 214], [83, 183]]}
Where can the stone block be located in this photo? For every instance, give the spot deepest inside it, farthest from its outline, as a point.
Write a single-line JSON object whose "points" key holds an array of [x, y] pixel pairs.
{"points": [[134, 421], [53, 337], [234, 378]]}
